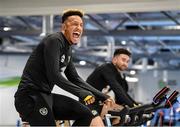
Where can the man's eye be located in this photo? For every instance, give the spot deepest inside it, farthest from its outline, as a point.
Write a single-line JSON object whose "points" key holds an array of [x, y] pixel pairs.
{"points": [[124, 60], [81, 25]]}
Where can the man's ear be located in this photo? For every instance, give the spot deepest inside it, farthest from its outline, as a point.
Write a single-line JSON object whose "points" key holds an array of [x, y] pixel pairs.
{"points": [[114, 60], [63, 27]]}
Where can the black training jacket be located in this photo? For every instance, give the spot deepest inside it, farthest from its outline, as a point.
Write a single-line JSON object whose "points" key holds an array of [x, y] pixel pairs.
{"points": [[107, 74], [45, 66]]}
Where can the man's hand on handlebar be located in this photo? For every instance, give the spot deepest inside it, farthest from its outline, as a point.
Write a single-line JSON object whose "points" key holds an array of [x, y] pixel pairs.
{"points": [[109, 101]]}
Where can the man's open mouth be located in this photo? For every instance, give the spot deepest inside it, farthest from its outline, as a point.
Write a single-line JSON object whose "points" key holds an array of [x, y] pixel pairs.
{"points": [[76, 34]]}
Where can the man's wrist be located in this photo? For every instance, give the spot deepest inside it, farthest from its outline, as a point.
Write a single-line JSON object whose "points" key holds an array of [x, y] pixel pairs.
{"points": [[87, 97]]}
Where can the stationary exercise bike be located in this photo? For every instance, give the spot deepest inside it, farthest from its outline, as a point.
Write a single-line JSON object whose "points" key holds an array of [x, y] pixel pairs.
{"points": [[140, 114]]}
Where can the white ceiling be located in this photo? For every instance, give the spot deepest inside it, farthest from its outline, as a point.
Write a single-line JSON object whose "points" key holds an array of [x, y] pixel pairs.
{"points": [[150, 28], [46, 7]]}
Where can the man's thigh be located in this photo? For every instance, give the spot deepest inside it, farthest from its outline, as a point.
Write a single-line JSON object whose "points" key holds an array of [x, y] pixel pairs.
{"points": [[34, 109], [66, 108]]}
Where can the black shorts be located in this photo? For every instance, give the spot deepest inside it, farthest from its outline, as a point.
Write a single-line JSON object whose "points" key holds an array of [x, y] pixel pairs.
{"points": [[32, 107], [43, 109]]}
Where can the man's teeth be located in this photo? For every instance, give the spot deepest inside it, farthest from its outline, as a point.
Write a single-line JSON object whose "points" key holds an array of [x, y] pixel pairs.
{"points": [[76, 34]]}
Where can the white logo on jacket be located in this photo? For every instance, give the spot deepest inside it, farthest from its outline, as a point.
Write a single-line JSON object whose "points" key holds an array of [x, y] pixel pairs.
{"points": [[62, 58], [43, 111]]}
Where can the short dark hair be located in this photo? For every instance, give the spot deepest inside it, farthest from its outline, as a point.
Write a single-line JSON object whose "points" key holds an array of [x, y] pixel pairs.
{"points": [[122, 51], [71, 12]]}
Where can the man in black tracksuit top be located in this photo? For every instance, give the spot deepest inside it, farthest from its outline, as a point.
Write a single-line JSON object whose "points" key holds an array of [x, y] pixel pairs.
{"points": [[34, 100], [110, 74]]}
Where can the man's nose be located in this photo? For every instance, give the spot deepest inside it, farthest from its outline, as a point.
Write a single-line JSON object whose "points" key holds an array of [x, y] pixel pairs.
{"points": [[126, 64], [80, 26]]}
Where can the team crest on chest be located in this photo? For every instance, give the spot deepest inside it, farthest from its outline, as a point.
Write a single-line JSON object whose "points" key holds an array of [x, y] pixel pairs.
{"points": [[62, 58]]}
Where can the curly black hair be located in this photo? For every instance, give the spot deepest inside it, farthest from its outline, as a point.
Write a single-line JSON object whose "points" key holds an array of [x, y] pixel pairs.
{"points": [[71, 12], [122, 51]]}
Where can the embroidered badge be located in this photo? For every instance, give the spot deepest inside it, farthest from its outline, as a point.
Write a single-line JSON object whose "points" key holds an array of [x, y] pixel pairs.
{"points": [[94, 112], [62, 58], [43, 111]]}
